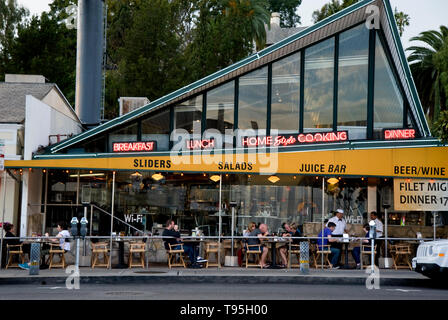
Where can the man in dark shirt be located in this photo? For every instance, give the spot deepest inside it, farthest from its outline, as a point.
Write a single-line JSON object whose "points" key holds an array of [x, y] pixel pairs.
{"points": [[175, 240], [254, 239]]}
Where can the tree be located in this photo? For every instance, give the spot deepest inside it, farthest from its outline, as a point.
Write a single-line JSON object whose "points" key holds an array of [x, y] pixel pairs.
{"points": [[334, 6], [402, 20], [11, 15], [440, 127], [288, 11], [429, 66], [331, 8], [45, 46]]}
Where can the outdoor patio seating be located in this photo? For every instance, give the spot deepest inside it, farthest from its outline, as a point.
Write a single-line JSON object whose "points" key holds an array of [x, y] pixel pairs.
{"points": [[98, 249], [138, 248], [12, 251], [174, 254], [55, 249], [401, 255], [212, 248], [322, 252], [257, 253]]}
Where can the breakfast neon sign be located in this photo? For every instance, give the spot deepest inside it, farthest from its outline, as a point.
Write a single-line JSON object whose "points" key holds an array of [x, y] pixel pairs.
{"points": [[134, 146]]}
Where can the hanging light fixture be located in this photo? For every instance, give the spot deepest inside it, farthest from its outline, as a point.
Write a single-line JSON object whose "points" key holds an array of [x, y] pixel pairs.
{"points": [[157, 176], [332, 181], [274, 179], [136, 174], [215, 178]]}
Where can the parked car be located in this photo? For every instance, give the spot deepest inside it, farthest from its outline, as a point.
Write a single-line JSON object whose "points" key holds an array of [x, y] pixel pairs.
{"points": [[432, 259]]}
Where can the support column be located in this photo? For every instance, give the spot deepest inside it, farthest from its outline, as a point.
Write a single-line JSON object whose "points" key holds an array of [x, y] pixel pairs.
{"points": [[371, 195]]}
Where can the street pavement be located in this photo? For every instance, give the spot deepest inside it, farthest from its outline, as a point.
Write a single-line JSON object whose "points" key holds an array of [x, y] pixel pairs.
{"points": [[213, 291]]}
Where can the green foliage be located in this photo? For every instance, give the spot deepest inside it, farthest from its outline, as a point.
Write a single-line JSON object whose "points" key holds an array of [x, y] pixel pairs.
{"points": [[402, 20], [288, 11], [45, 46], [440, 127], [331, 8], [11, 15], [429, 66]]}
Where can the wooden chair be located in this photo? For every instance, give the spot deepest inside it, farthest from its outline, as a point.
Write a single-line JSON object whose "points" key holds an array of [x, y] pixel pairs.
{"points": [[55, 249], [256, 253], [173, 253], [295, 250], [212, 248], [100, 248], [366, 250], [140, 249], [14, 250], [319, 253], [401, 253]]}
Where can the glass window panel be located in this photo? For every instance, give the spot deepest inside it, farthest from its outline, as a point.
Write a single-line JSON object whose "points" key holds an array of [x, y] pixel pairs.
{"points": [[126, 134], [286, 94], [156, 127], [188, 115], [353, 82], [252, 108], [388, 104], [318, 93], [220, 107]]}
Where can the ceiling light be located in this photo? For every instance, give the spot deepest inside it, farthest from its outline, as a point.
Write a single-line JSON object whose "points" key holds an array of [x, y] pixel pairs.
{"points": [[274, 179], [215, 178], [157, 176], [136, 174], [87, 175], [332, 181]]}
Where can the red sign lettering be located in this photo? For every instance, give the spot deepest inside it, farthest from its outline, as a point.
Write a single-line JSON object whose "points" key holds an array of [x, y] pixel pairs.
{"points": [[290, 140], [134, 146], [399, 134], [200, 144]]}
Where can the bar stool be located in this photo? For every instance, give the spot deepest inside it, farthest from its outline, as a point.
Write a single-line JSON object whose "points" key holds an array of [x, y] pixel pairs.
{"points": [[14, 250], [100, 248], [55, 249], [212, 248]]}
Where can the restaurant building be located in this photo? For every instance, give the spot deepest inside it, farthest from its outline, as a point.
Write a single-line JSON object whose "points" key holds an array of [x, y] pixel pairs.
{"points": [[327, 118]]}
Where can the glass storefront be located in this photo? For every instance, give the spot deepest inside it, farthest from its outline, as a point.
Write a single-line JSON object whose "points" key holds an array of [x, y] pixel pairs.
{"points": [[193, 200]]}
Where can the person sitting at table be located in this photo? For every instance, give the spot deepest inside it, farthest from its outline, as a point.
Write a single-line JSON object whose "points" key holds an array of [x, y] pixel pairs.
{"points": [[291, 231], [326, 233], [239, 253], [63, 236], [251, 227], [9, 233], [254, 239], [356, 253], [172, 231]]}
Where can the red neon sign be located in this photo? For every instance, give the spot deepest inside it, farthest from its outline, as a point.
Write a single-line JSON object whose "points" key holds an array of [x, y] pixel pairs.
{"points": [[200, 144], [290, 140], [134, 146], [397, 134]]}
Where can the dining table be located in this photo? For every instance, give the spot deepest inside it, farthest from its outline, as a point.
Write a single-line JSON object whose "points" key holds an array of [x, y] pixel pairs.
{"points": [[274, 243], [194, 242]]}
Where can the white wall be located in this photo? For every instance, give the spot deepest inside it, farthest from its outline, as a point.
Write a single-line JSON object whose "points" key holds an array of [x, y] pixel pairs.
{"points": [[41, 121]]}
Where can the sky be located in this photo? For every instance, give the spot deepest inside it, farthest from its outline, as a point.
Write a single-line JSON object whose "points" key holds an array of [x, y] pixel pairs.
{"points": [[425, 15]]}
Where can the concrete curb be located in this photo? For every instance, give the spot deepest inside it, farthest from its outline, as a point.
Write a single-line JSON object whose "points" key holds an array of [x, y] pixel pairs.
{"points": [[231, 279]]}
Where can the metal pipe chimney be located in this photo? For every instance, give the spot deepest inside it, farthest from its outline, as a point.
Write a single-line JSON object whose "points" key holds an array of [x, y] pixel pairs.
{"points": [[89, 58]]}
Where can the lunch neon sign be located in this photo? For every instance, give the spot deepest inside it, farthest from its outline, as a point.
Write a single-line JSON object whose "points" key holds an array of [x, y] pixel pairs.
{"points": [[134, 146], [397, 134], [200, 144], [295, 139]]}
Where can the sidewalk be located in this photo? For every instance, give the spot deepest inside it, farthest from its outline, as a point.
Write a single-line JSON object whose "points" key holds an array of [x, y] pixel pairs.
{"points": [[161, 274]]}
